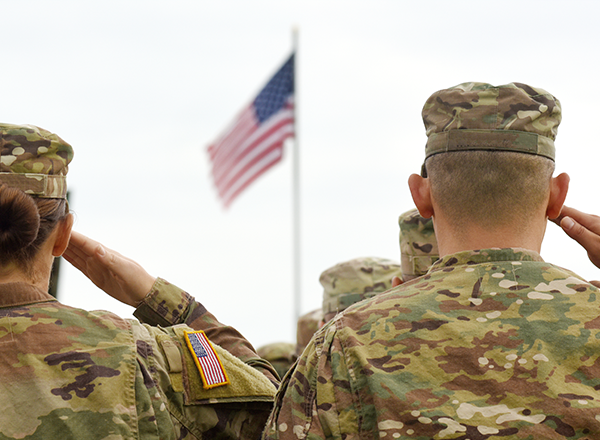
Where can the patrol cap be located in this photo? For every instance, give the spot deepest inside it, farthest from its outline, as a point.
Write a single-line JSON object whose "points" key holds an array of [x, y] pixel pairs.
{"points": [[418, 245], [34, 160], [352, 281], [479, 116]]}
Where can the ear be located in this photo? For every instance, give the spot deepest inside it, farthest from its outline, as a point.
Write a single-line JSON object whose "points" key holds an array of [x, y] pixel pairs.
{"points": [[63, 235], [559, 187], [421, 194]]}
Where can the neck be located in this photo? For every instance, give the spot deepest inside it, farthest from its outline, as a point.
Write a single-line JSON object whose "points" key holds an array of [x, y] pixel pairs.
{"points": [[38, 276], [452, 239]]}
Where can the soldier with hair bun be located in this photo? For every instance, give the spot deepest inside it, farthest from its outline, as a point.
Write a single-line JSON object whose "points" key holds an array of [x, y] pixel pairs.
{"points": [[492, 342], [73, 374]]}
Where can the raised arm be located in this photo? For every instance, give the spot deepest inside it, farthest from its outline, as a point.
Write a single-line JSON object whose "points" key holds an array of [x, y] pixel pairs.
{"points": [[157, 302]]}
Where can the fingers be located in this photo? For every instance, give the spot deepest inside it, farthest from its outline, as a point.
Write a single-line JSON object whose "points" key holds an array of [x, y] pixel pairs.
{"points": [[584, 236], [85, 254], [588, 221], [80, 246], [577, 232], [584, 229]]}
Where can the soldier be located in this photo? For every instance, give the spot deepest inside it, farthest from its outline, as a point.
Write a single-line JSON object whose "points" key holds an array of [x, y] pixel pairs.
{"points": [[281, 355], [343, 285], [72, 374], [354, 280], [493, 342]]}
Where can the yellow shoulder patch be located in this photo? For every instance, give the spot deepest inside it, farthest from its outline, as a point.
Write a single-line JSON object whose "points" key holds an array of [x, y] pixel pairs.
{"points": [[206, 359], [246, 384]]}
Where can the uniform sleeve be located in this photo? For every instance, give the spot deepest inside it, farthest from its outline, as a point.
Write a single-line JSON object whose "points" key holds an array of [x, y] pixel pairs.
{"points": [[168, 305], [172, 388], [315, 400]]}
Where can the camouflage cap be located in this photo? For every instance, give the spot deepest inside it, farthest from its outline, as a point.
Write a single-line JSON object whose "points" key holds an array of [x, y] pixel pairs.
{"points": [[352, 281], [34, 160], [479, 116], [308, 324], [418, 245], [281, 355]]}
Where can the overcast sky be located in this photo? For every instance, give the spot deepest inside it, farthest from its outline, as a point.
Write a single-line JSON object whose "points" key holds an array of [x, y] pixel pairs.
{"points": [[140, 88]]}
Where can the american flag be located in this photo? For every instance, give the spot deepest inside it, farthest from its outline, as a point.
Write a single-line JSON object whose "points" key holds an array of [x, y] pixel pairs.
{"points": [[206, 359], [253, 143]]}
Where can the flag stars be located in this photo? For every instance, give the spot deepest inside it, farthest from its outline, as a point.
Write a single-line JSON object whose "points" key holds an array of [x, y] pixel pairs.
{"points": [[273, 96]]}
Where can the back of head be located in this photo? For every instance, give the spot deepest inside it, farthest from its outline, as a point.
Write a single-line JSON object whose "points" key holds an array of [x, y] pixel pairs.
{"points": [[418, 245], [33, 168], [490, 151], [355, 280]]}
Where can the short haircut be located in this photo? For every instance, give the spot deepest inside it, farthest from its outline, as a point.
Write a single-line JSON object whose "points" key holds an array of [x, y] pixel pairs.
{"points": [[489, 188]]}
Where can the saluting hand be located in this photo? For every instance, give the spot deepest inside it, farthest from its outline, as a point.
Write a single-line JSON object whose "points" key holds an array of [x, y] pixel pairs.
{"points": [[119, 276], [585, 230]]}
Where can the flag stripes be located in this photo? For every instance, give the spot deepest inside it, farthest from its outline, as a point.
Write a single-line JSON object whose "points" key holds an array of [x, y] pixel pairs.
{"points": [[207, 360], [254, 141]]}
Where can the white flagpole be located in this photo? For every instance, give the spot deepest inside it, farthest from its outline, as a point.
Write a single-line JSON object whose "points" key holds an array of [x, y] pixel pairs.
{"points": [[296, 192]]}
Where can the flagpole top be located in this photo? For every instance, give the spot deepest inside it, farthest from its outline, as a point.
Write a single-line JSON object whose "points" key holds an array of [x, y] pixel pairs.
{"points": [[295, 30]]}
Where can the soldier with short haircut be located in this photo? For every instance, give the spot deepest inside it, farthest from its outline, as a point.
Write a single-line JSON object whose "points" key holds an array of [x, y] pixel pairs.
{"points": [[493, 342]]}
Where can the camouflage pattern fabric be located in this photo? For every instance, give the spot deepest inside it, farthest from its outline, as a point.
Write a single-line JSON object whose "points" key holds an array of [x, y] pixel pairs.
{"points": [[281, 355], [72, 374], [308, 324], [418, 245], [354, 280], [480, 116], [490, 344], [34, 160]]}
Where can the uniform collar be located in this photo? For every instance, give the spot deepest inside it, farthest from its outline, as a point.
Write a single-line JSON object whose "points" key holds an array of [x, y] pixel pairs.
{"points": [[20, 294], [485, 256]]}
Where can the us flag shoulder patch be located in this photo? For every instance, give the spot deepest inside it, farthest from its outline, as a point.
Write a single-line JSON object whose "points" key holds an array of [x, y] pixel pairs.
{"points": [[206, 359]]}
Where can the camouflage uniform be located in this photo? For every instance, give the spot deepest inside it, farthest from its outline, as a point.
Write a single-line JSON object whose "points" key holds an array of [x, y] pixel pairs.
{"points": [[418, 245], [72, 374], [67, 373], [475, 349], [489, 344]]}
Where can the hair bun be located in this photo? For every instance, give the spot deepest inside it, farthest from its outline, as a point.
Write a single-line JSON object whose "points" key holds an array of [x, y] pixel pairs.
{"points": [[19, 221]]}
